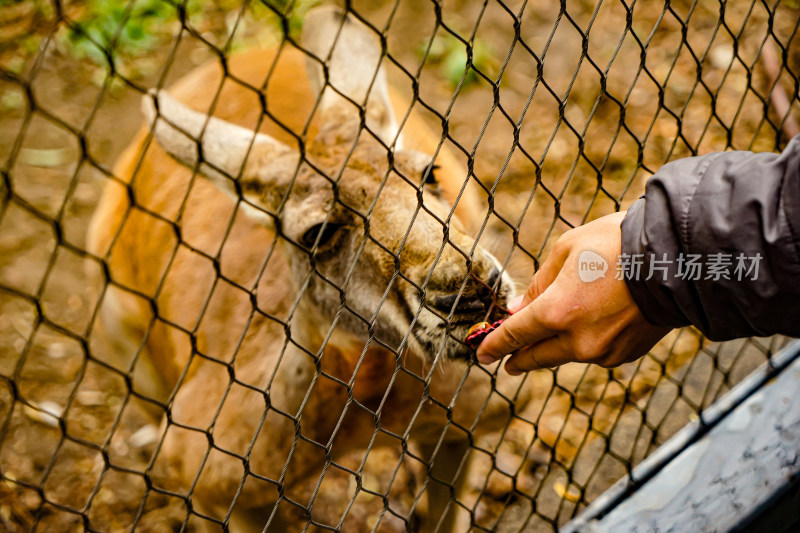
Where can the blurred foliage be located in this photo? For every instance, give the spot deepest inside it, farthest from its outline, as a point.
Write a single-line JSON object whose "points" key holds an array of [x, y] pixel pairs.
{"points": [[126, 30], [129, 32], [450, 55], [109, 28]]}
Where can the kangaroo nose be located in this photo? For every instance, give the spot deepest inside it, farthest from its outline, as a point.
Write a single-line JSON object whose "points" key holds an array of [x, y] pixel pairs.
{"points": [[467, 303], [475, 298]]}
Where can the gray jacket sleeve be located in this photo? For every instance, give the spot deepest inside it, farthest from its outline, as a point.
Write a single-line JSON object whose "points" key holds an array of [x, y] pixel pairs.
{"points": [[737, 215]]}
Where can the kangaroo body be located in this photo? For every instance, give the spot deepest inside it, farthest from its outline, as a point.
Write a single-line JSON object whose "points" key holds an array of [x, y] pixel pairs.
{"points": [[294, 299]]}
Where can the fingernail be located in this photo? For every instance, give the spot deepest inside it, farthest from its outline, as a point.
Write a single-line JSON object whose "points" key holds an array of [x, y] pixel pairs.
{"points": [[514, 305], [513, 371], [486, 359]]}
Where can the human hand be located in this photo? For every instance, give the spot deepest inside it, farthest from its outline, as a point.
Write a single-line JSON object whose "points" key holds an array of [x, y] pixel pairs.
{"points": [[561, 318]]}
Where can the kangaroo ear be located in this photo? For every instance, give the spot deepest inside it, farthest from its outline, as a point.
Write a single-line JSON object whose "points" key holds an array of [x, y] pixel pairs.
{"points": [[351, 53], [223, 152]]}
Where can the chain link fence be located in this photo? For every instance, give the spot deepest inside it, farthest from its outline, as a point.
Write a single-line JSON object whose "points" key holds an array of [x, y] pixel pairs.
{"points": [[291, 359]]}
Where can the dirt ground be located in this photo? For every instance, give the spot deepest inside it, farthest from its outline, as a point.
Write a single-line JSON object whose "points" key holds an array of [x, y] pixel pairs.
{"points": [[74, 442]]}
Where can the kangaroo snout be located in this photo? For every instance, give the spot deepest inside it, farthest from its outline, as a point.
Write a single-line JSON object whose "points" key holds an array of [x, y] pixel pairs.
{"points": [[477, 297], [457, 298]]}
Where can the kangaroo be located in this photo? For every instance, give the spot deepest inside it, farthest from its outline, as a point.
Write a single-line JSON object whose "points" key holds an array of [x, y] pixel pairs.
{"points": [[291, 280]]}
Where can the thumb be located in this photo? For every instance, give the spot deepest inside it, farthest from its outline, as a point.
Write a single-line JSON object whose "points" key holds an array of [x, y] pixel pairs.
{"points": [[522, 328]]}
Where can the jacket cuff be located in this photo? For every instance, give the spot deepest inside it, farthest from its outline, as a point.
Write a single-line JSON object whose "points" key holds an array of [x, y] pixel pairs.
{"points": [[655, 301]]}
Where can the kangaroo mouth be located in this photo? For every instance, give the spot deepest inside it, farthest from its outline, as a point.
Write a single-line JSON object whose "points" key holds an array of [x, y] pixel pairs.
{"points": [[443, 336]]}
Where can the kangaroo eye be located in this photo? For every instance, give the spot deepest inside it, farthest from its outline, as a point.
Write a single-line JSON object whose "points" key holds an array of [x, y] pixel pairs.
{"points": [[430, 175], [323, 232]]}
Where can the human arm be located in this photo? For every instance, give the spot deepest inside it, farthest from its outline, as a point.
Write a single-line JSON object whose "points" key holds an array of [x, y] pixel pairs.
{"points": [[734, 203]]}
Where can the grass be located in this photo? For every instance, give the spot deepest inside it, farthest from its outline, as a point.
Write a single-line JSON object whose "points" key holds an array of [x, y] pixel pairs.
{"points": [[450, 55]]}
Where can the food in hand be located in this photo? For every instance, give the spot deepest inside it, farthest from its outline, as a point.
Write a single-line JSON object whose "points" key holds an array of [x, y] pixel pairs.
{"points": [[478, 332]]}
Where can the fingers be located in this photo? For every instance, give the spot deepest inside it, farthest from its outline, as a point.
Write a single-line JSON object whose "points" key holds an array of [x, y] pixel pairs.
{"points": [[524, 328], [545, 354], [515, 304], [519, 330], [629, 345]]}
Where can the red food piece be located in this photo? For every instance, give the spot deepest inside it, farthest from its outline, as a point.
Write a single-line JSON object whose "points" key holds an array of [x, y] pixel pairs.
{"points": [[478, 332]]}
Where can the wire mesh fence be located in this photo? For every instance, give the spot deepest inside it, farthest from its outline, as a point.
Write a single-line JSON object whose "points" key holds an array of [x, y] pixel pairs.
{"points": [[288, 356]]}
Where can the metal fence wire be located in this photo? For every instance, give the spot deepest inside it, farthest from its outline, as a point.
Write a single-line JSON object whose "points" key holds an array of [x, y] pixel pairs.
{"points": [[288, 356]]}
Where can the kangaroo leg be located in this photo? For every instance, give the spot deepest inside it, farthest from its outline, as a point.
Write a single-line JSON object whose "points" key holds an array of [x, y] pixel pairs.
{"points": [[448, 473]]}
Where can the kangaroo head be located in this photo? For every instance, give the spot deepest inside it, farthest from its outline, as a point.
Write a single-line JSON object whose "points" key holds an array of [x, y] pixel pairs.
{"points": [[371, 242]]}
